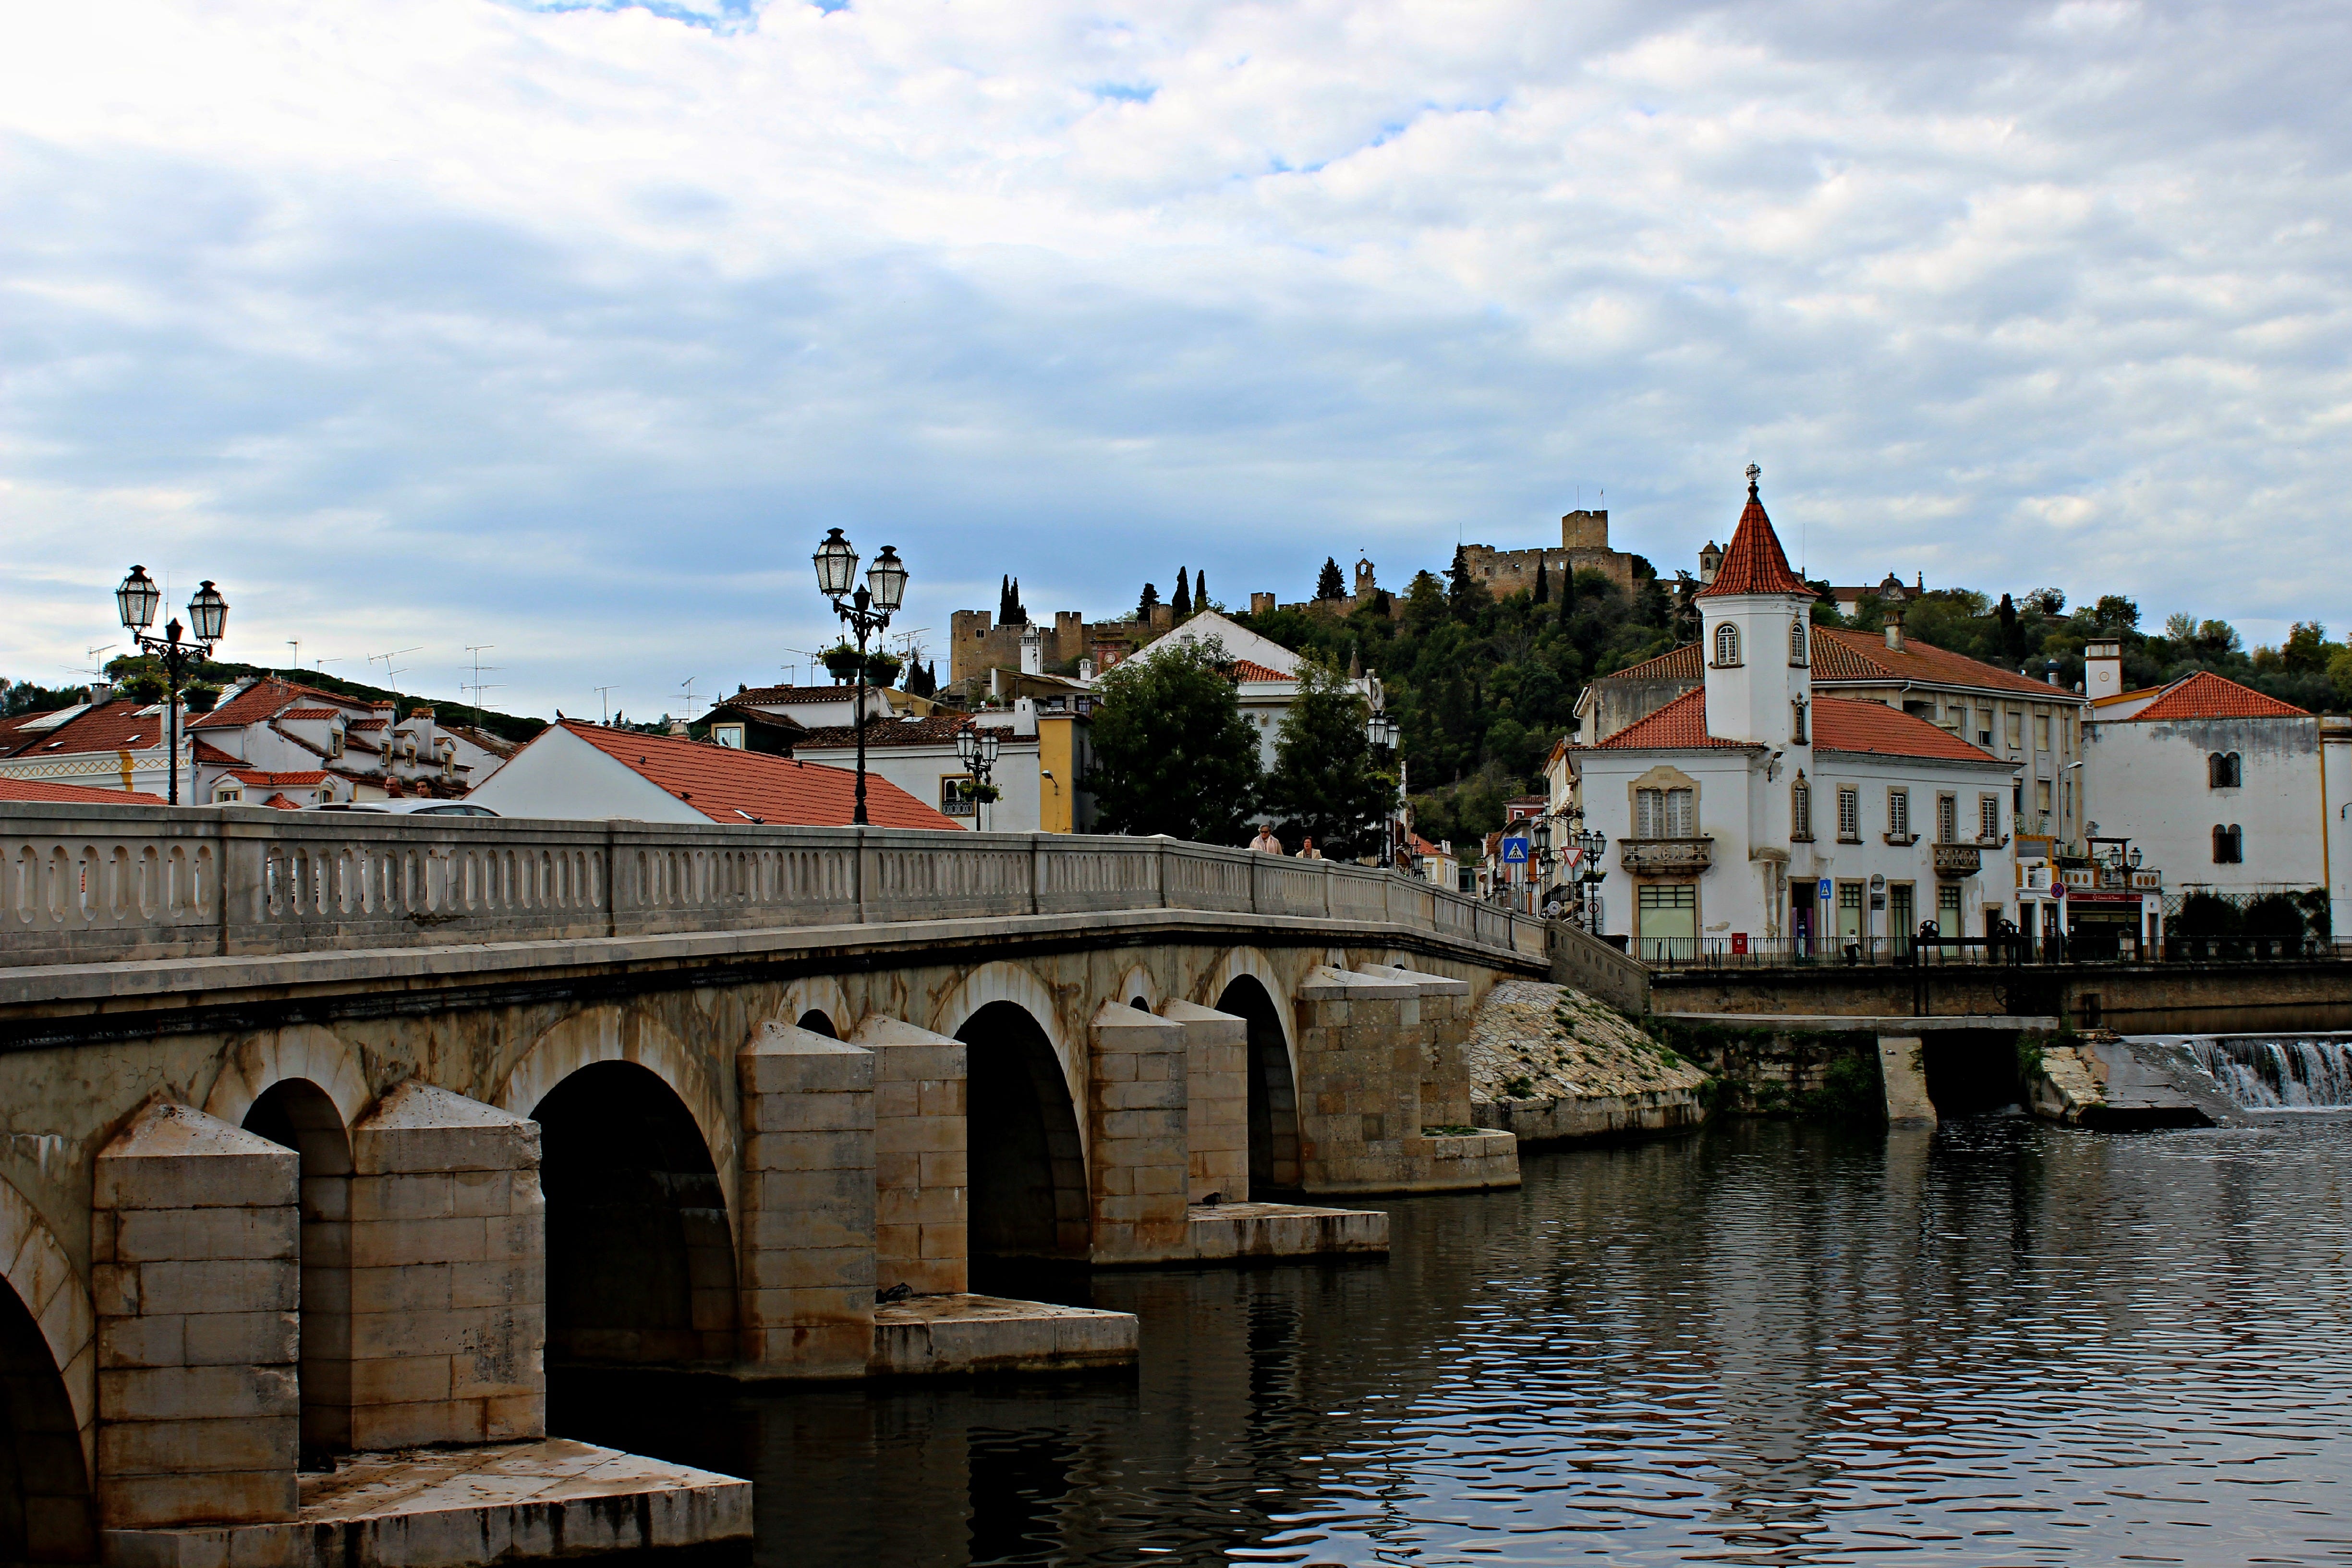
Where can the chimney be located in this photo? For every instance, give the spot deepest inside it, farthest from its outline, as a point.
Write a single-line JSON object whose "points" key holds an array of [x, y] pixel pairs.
{"points": [[1891, 596], [2103, 668], [1032, 652], [1086, 670]]}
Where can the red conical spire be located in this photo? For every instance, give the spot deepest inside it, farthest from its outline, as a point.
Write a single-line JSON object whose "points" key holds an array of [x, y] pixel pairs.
{"points": [[1755, 563]]}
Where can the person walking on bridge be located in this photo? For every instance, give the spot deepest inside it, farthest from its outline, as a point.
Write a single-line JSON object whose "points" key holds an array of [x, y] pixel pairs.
{"points": [[1265, 843], [1306, 851]]}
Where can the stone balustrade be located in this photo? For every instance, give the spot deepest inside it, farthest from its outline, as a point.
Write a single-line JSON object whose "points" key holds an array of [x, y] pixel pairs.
{"points": [[93, 884]]}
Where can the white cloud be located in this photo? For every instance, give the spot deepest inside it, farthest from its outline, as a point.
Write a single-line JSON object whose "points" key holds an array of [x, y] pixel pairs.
{"points": [[569, 329]]}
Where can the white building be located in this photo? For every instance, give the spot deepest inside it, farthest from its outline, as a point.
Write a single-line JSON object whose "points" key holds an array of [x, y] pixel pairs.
{"points": [[1753, 815], [2224, 788], [1265, 673], [1043, 754], [577, 772]]}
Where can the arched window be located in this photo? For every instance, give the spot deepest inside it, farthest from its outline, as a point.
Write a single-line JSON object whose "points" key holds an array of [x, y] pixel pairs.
{"points": [[1797, 641], [2229, 845], [2223, 770], [1726, 645], [1801, 809]]}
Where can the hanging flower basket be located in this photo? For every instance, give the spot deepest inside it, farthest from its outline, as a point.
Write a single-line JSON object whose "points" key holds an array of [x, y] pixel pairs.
{"points": [[984, 794], [882, 669], [840, 662]]}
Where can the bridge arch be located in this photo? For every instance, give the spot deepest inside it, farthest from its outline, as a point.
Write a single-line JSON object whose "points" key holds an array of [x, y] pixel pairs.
{"points": [[1137, 983], [1245, 985], [303, 1051], [1027, 1195], [823, 996], [301, 1114], [48, 1388], [1003, 981], [610, 1034]]}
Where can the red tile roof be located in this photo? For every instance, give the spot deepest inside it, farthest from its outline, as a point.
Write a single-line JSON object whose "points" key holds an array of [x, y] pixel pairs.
{"points": [[1686, 663], [1847, 724], [1840, 655], [1755, 563], [940, 729], [1679, 726], [1840, 725], [729, 786], [1250, 670], [119, 726], [266, 698], [261, 778], [49, 793], [205, 752], [794, 694], [2206, 695], [311, 713]]}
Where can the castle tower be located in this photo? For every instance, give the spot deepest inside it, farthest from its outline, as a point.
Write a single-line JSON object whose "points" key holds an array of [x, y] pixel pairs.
{"points": [[1365, 586], [1757, 641]]}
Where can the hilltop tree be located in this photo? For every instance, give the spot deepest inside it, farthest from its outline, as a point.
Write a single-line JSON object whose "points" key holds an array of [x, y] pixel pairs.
{"points": [[1172, 752], [1327, 584], [1182, 602], [1149, 603], [1543, 581], [1199, 590], [1327, 781]]}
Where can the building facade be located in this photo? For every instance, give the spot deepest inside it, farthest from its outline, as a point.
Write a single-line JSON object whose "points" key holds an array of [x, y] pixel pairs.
{"points": [[2229, 791], [1758, 812]]}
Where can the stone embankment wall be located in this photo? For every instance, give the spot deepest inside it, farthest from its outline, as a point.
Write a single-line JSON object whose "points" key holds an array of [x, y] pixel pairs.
{"points": [[2155, 998], [1553, 1065], [1592, 966]]}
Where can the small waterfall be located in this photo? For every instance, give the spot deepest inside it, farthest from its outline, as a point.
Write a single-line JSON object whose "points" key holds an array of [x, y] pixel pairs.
{"points": [[2265, 1074]]}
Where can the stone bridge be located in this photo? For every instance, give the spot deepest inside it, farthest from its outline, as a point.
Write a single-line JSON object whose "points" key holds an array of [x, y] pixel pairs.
{"points": [[328, 1132]]}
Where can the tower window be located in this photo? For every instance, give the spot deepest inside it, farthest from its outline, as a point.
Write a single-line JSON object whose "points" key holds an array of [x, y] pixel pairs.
{"points": [[1797, 641], [1801, 809], [1726, 646]]}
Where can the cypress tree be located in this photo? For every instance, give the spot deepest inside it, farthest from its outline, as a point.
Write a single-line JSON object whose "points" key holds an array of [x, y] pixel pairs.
{"points": [[1182, 601], [1329, 585], [1199, 590], [1543, 582]]}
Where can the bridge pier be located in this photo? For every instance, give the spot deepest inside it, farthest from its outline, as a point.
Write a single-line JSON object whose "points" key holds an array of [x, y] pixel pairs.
{"points": [[1384, 1085], [808, 1201], [1140, 1158]]}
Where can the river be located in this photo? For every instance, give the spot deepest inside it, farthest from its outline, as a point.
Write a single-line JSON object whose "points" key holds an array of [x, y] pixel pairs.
{"points": [[2001, 1342]]}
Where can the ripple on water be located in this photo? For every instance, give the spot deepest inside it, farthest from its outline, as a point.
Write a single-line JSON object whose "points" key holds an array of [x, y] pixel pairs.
{"points": [[2004, 1343]]}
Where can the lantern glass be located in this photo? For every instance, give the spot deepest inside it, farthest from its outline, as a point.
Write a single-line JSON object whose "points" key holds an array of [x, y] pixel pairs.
{"points": [[836, 566], [966, 747], [208, 614], [137, 599], [988, 741], [1542, 833], [887, 579]]}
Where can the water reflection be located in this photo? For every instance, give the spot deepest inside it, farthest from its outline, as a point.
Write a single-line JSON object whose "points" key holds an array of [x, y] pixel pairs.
{"points": [[2001, 1342]]}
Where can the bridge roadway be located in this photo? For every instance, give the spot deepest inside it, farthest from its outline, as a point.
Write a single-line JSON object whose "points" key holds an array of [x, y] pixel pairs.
{"points": [[329, 1131]]}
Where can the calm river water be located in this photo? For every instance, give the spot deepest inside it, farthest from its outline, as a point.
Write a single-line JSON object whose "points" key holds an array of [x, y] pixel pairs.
{"points": [[2003, 1343]]}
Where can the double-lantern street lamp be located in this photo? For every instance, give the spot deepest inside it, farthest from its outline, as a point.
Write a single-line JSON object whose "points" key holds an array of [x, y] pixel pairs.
{"points": [[207, 619], [977, 747], [868, 610]]}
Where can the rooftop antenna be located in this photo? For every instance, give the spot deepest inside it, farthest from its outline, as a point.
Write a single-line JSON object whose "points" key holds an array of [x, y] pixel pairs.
{"points": [[604, 701], [96, 671], [687, 695], [391, 676], [295, 643], [477, 684]]}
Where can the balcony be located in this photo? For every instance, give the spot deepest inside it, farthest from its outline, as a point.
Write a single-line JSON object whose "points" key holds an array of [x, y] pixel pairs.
{"points": [[1665, 857], [1958, 859]]}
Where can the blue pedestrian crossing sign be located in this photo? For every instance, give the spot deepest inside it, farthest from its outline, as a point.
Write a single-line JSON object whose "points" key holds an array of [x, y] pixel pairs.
{"points": [[1827, 888], [1514, 852]]}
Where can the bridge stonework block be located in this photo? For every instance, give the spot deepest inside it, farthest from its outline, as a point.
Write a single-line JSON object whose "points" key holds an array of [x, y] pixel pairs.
{"points": [[1216, 1054], [448, 1273], [921, 1158], [199, 1403], [806, 1240], [1139, 1136], [1380, 1068]]}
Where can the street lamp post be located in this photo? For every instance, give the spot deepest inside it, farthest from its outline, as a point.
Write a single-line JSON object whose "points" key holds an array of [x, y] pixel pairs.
{"points": [[207, 619], [1540, 852], [1592, 843], [866, 611], [977, 747]]}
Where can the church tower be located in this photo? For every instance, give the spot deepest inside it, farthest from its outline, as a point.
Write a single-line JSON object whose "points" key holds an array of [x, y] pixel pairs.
{"points": [[1758, 638]]}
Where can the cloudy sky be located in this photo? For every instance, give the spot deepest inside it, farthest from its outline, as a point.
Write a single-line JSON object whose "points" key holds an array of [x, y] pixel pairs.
{"points": [[423, 323]]}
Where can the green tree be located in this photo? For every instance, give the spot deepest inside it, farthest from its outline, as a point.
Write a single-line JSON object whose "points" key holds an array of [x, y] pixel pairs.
{"points": [[1326, 782], [1182, 602], [2114, 612], [1148, 602], [1172, 752], [1328, 583]]}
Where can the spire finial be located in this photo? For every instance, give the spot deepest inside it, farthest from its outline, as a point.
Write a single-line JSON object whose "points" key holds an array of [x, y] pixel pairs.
{"points": [[1754, 474]]}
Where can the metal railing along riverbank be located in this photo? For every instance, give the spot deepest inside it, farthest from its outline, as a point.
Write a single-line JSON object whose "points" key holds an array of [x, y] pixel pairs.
{"points": [[1943, 953], [86, 884]]}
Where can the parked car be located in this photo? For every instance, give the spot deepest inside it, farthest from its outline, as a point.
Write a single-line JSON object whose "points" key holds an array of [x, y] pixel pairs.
{"points": [[407, 808]]}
